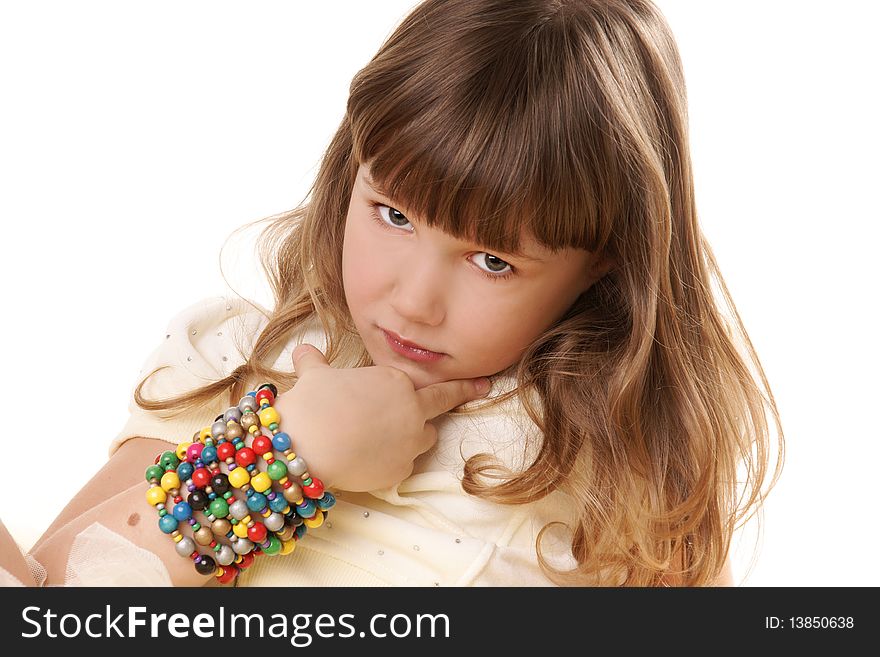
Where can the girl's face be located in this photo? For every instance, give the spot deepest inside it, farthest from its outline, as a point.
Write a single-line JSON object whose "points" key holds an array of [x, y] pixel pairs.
{"points": [[477, 310]]}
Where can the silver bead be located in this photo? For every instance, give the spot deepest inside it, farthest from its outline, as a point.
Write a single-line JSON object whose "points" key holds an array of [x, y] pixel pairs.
{"points": [[381, 552], [185, 546], [274, 522], [436, 583], [225, 359], [219, 333], [239, 509], [329, 525], [242, 546], [232, 413], [458, 540], [167, 335], [416, 548], [248, 402], [366, 514], [188, 358], [297, 467], [225, 555], [194, 332], [218, 429], [228, 307]]}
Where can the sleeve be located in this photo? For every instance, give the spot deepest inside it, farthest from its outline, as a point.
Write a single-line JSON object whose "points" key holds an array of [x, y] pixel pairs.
{"points": [[202, 343]]}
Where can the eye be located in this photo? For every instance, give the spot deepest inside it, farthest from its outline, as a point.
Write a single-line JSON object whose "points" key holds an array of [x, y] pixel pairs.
{"points": [[395, 216], [495, 264]]}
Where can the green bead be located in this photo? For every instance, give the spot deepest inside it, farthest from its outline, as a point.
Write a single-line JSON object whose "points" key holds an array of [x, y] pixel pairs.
{"points": [[163, 513], [169, 460], [277, 470], [227, 495], [307, 482], [274, 545], [196, 527], [234, 521], [154, 472], [219, 508], [273, 427]]}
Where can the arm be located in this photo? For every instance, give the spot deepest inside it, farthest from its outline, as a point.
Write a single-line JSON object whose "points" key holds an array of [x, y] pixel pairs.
{"points": [[115, 498]]}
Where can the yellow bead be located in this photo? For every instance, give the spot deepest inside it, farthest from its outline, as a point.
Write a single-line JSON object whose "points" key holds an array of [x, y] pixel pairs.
{"points": [[170, 480], [239, 477], [268, 416], [240, 530], [204, 433], [181, 450], [261, 482], [282, 481], [287, 547], [156, 496], [316, 521]]}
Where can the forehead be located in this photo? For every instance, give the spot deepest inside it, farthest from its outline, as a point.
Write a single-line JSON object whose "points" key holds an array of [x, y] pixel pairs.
{"points": [[531, 250]]}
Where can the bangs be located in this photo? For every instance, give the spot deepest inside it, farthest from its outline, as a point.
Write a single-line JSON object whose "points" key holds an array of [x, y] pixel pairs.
{"points": [[484, 142]]}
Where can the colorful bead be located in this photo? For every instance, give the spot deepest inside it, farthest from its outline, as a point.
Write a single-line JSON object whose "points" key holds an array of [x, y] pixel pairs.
{"points": [[263, 521]]}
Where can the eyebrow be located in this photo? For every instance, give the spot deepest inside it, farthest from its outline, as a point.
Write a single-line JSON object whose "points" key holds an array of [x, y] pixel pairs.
{"points": [[519, 255]]}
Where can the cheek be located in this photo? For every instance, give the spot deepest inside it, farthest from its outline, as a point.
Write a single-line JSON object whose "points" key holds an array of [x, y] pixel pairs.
{"points": [[360, 272]]}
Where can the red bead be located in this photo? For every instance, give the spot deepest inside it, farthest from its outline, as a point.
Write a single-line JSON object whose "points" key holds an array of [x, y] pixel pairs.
{"points": [[245, 457], [262, 444], [229, 573], [225, 450], [201, 477], [257, 533], [266, 394], [246, 561], [212, 544], [177, 499], [314, 490]]}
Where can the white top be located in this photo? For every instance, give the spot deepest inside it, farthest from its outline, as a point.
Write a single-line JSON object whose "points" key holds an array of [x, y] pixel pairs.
{"points": [[425, 531]]}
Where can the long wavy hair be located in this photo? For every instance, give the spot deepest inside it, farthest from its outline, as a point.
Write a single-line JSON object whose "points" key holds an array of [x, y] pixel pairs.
{"points": [[567, 118]]}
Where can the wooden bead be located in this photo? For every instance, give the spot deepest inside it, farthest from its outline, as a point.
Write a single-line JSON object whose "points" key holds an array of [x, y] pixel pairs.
{"points": [[293, 494], [221, 526], [203, 536]]}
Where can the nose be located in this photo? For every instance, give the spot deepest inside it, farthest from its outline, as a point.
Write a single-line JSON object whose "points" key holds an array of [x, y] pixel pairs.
{"points": [[419, 290]]}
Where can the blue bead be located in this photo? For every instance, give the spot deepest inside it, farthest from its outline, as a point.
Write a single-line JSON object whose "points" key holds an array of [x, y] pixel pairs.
{"points": [[168, 524], [256, 502], [209, 454], [327, 501], [252, 393], [185, 471], [281, 441], [278, 504], [182, 511], [307, 508]]}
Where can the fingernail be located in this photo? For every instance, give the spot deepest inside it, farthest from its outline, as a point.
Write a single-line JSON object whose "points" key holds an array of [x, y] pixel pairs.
{"points": [[483, 385]]}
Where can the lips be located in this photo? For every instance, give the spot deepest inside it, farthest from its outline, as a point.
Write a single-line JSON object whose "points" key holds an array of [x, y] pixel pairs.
{"points": [[406, 349], [407, 343]]}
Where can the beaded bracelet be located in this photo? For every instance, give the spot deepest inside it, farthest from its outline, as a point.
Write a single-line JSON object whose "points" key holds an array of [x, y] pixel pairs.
{"points": [[284, 515]]}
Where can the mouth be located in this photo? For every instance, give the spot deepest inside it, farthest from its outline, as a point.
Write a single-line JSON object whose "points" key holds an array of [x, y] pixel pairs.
{"points": [[409, 349]]}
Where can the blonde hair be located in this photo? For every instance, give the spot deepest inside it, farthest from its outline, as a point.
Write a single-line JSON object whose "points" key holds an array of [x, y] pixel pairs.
{"points": [[567, 118]]}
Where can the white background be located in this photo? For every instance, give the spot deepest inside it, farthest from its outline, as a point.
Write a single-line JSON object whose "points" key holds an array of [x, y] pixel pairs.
{"points": [[135, 137]]}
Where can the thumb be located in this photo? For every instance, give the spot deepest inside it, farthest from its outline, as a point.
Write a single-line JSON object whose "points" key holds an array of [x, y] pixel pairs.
{"points": [[438, 398], [306, 356]]}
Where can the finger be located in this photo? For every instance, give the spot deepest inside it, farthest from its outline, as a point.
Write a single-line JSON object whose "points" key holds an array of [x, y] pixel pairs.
{"points": [[438, 398], [306, 356], [428, 438]]}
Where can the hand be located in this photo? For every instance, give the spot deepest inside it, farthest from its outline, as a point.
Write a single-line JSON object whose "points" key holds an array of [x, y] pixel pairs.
{"points": [[360, 429]]}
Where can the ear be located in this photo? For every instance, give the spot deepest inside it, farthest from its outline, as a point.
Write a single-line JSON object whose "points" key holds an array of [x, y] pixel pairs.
{"points": [[597, 268]]}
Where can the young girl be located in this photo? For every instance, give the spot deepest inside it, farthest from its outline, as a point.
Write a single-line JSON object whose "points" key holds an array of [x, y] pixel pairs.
{"points": [[509, 195]]}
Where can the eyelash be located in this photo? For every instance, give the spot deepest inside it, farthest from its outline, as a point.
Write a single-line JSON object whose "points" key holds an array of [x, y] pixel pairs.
{"points": [[384, 224]]}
